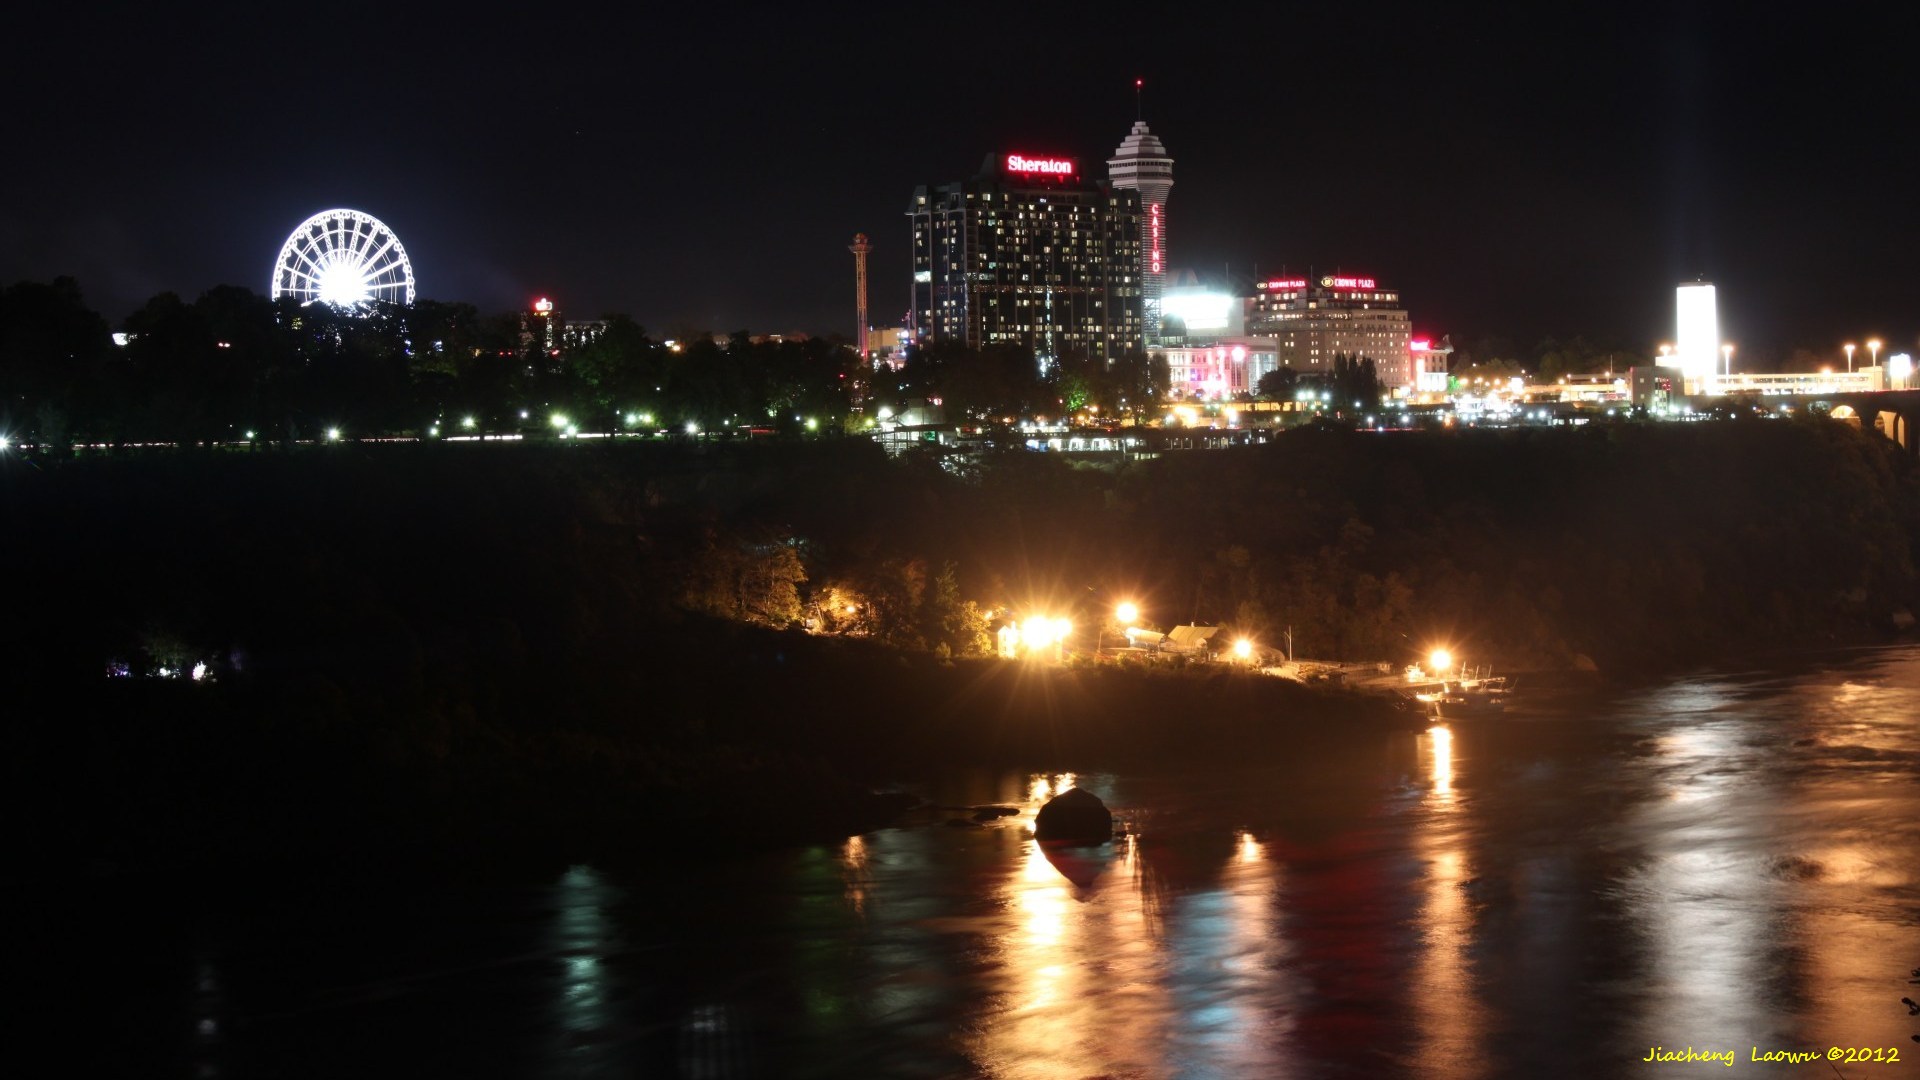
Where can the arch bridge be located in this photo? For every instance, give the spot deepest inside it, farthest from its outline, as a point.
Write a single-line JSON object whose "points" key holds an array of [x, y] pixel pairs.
{"points": [[1893, 413]]}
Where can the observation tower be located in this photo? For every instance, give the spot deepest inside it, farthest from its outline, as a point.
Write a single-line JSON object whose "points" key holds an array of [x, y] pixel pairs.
{"points": [[1141, 164]]}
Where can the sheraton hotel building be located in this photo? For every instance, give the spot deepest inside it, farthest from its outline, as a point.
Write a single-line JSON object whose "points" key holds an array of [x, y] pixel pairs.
{"points": [[1032, 251], [1029, 253]]}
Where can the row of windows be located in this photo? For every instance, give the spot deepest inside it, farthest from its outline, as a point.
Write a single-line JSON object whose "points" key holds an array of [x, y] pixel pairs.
{"points": [[1033, 288], [1061, 274], [1317, 299]]}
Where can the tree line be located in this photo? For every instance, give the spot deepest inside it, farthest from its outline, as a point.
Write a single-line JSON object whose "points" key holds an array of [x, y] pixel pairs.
{"points": [[233, 365], [233, 362], [1349, 378]]}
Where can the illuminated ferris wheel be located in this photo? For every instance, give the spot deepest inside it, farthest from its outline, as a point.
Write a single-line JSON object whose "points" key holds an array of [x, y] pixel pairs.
{"points": [[344, 258]]}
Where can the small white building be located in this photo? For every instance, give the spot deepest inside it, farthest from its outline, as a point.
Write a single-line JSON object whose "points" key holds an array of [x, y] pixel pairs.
{"points": [[1219, 371]]}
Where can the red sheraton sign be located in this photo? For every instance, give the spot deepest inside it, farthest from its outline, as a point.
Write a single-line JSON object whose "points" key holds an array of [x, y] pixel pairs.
{"points": [[1017, 163]]}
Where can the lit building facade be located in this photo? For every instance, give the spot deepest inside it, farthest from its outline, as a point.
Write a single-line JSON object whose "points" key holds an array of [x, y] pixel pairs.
{"points": [[1193, 314], [580, 333], [1696, 312], [1219, 371], [1141, 164], [1029, 253], [885, 344], [1316, 319], [540, 328], [1430, 363], [544, 330]]}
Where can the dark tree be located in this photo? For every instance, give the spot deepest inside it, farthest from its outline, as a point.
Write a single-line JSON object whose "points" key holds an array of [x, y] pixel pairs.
{"points": [[1279, 384]]}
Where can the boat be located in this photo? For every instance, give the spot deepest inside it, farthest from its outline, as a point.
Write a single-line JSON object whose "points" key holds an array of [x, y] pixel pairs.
{"points": [[1466, 698], [1470, 699]]}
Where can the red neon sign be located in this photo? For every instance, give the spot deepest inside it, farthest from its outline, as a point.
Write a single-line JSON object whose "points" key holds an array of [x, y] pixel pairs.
{"points": [[1153, 243], [1044, 166], [1347, 283], [1284, 283]]}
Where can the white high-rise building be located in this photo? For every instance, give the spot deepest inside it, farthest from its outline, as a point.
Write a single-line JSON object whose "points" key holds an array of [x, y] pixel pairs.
{"points": [[1141, 164], [1697, 318]]}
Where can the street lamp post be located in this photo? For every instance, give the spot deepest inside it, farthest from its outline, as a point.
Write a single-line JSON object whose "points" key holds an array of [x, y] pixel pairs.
{"points": [[1726, 355], [1849, 350], [1873, 350]]}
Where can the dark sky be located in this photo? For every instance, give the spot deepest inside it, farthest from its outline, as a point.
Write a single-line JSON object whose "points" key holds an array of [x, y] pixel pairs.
{"points": [[1520, 170]]}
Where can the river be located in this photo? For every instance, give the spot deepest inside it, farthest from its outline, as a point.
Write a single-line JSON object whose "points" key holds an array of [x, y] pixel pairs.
{"points": [[1726, 862]]}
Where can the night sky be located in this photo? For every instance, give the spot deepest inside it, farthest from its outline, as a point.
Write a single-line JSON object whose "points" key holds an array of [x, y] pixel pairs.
{"points": [[1519, 173]]}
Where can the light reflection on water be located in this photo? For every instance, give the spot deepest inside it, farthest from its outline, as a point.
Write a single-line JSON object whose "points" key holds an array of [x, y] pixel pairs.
{"points": [[1725, 861], [1448, 1013]]}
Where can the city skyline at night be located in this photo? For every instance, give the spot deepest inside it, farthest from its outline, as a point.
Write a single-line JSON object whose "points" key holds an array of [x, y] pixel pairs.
{"points": [[1523, 178]]}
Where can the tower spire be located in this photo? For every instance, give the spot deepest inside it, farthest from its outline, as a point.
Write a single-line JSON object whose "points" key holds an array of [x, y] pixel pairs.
{"points": [[1139, 108], [1142, 164], [860, 248]]}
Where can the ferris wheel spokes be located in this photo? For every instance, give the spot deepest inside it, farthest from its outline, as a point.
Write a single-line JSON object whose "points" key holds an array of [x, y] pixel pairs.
{"points": [[345, 258]]}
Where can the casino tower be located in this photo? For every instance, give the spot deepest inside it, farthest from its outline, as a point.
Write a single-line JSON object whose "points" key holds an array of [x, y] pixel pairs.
{"points": [[1141, 164]]}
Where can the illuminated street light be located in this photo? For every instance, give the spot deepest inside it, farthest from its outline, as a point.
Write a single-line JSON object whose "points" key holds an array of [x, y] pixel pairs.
{"points": [[1873, 348], [333, 434], [467, 422], [1125, 614], [559, 420], [1726, 354], [1243, 648], [1440, 660], [1848, 347], [4, 442], [1038, 632]]}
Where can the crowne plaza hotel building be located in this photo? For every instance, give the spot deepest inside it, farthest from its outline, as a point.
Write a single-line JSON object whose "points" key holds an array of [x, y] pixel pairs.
{"points": [[1028, 252], [1316, 318]]}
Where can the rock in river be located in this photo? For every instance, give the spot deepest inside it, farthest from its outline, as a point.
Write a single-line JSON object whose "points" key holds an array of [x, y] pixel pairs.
{"points": [[1075, 816]]}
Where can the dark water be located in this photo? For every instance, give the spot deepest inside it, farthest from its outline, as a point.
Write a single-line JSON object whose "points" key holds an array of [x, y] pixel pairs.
{"points": [[1725, 862]]}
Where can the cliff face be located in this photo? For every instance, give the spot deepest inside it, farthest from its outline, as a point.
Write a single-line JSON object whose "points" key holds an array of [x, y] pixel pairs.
{"points": [[1635, 545], [1632, 545]]}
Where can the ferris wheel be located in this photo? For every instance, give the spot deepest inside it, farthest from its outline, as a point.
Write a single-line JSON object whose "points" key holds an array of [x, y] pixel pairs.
{"points": [[344, 258]]}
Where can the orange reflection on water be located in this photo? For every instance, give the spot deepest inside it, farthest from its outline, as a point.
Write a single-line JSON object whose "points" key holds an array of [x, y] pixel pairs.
{"points": [[1064, 958], [1094, 957], [1441, 738], [1250, 850], [853, 866], [1450, 1018], [1044, 786]]}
